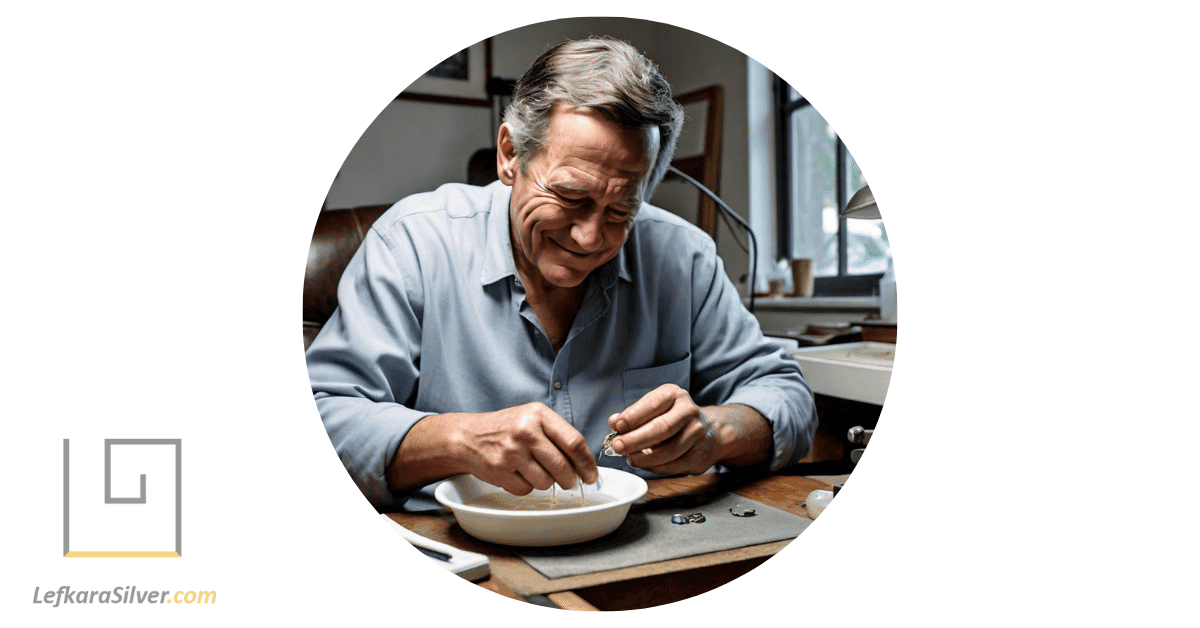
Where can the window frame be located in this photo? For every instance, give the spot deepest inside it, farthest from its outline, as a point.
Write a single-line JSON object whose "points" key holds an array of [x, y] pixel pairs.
{"points": [[844, 283]]}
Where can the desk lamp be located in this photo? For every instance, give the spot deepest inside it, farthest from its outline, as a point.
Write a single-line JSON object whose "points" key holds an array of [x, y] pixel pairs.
{"points": [[862, 205]]}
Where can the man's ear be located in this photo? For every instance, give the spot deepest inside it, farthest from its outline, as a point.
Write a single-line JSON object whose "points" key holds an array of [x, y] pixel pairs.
{"points": [[507, 163]]}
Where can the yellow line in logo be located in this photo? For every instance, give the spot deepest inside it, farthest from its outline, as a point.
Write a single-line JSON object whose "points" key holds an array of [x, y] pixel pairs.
{"points": [[122, 555]]}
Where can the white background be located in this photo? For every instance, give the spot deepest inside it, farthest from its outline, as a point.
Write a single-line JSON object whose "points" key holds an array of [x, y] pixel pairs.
{"points": [[100, 527], [162, 172]]}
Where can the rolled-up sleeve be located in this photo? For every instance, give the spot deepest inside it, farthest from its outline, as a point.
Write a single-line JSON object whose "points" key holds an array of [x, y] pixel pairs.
{"points": [[363, 364], [734, 363]]}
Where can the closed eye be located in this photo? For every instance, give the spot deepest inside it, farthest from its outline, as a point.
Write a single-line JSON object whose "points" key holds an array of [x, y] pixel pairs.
{"points": [[621, 214], [569, 201]]}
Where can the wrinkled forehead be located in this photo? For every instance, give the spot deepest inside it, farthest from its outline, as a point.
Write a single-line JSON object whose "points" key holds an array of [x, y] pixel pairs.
{"points": [[575, 130]]}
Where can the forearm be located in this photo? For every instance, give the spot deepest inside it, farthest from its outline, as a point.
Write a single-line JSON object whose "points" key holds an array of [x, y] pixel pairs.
{"points": [[431, 451], [744, 435], [786, 401]]}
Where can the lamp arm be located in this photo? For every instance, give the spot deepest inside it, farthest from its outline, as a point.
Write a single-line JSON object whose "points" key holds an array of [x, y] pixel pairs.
{"points": [[753, 263]]}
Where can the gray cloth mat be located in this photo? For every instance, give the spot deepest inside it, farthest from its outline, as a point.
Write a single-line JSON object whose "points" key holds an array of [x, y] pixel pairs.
{"points": [[648, 536]]}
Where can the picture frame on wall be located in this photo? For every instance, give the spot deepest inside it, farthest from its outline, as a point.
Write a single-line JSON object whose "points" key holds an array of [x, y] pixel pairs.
{"points": [[460, 79]]}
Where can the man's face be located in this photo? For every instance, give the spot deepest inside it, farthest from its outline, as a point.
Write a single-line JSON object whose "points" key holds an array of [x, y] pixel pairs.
{"points": [[573, 207]]}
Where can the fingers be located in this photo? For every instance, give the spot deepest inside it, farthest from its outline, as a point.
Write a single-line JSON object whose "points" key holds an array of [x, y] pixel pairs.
{"points": [[528, 447], [653, 420], [689, 451], [514, 483], [665, 432], [653, 458], [570, 457], [650, 406]]}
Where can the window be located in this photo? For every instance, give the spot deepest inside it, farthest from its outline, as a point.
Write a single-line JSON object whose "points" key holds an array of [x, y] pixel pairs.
{"points": [[816, 178]]}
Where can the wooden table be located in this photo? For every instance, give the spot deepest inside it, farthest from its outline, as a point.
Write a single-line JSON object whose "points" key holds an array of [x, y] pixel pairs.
{"points": [[643, 585]]}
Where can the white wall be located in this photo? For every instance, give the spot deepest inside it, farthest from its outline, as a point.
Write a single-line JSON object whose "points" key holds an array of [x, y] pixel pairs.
{"points": [[410, 147]]}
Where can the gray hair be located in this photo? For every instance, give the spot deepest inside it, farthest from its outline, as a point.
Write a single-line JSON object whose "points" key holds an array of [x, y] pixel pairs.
{"points": [[605, 75]]}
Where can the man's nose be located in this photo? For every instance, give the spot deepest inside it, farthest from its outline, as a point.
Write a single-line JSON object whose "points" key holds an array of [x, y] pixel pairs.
{"points": [[588, 232]]}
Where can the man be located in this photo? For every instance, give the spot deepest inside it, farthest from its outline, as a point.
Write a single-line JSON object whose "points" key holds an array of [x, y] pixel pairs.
{"points": [[504, 331]]}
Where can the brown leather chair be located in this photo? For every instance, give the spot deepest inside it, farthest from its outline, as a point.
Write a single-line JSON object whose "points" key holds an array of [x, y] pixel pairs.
{"points": [[338, 234]]}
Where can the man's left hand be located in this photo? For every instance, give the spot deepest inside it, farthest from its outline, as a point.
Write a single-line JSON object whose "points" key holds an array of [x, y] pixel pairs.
{"points": [[666, 432]]}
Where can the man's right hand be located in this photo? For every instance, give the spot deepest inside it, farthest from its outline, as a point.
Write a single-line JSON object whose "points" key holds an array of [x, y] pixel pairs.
{"points": [[518, 449]]}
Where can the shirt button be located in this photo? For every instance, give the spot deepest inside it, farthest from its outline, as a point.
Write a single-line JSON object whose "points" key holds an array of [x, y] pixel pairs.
{"points": [[557, 384]]}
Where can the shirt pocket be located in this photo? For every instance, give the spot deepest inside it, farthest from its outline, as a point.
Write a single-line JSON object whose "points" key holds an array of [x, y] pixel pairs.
{"points": [[638, 382]]}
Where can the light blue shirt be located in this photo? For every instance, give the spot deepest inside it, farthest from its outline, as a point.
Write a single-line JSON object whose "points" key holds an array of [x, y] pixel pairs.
{"points": [[432, 318]]}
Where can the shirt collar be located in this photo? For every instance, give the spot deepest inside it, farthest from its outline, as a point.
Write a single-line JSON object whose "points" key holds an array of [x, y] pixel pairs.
{"points": [[498, 257], [498, 254]]}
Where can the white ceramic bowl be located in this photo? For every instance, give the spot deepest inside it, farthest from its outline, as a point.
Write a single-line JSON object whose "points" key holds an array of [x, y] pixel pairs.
{"points": [[540, 528]]}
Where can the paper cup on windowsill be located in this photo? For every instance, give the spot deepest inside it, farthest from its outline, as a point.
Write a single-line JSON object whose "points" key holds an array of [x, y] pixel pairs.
{"points": [[803, 281]]}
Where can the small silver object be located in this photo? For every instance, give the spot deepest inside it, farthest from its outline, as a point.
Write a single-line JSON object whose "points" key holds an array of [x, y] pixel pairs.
{"points": [[859, 435], [738, 511], [686, 519], [606, 448]]}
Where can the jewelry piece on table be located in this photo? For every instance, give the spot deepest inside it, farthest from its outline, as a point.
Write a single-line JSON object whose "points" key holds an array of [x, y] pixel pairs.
{"points": [[686, 519], [738, 511]]}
